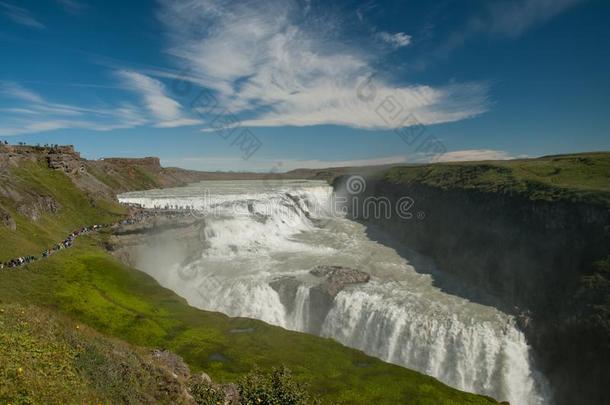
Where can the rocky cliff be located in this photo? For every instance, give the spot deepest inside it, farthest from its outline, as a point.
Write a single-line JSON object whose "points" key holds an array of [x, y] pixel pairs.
{"points": [[519, 244]]}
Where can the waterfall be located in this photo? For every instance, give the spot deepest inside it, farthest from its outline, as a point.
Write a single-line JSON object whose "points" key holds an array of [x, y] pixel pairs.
{"points": [[298, 319], [489, 356], [256, 235]]}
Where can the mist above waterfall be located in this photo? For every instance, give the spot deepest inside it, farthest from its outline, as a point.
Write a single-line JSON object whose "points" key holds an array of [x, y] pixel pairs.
{"points": [[257, 234]]}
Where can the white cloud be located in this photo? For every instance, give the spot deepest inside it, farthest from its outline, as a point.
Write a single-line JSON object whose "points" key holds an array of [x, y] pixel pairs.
{"points": [[29, 112], [39, 115], [473, 155], [166, 111], [153, 93], [273, 64], [180, 122], [37, 103], [397, 40], [20, 15], [19, 92]]}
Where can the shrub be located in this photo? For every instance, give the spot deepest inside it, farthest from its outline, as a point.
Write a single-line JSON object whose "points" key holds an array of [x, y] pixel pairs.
{"points": [[275, 388], [206, 393]]}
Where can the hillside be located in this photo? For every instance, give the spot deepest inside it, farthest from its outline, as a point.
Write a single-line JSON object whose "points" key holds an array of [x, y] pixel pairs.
{"points": [[45, 194], [578, 177], [48, 358]]}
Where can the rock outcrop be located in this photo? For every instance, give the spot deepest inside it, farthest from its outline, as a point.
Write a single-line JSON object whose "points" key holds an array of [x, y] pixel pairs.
{"points": [[336, 278], [67, 162], [286, 288], [327, 283], [33, 208], [7, 220]]}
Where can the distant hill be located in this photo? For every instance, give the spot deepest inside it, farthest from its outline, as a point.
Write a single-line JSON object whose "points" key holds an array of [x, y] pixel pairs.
{"points": [[571, 177]]}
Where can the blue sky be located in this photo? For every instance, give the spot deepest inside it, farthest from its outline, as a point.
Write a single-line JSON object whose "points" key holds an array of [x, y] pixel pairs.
{"points": [[275, 85]]}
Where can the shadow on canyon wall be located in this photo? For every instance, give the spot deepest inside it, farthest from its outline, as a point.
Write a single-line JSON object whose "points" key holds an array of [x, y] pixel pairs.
{"points": [[545, 262]]}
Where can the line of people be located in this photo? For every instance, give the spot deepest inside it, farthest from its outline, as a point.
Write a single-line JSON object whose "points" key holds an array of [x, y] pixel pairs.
{"points": [[64, 244], [139, 215], [142, 214]]}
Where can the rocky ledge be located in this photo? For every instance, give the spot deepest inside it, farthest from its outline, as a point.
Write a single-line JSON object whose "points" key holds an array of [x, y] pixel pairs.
{"points": [[338, 277], [328, 282], [146, 230]]}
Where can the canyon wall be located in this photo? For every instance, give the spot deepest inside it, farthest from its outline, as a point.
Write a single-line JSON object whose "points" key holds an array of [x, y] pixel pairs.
{"points": [[544, 261]]}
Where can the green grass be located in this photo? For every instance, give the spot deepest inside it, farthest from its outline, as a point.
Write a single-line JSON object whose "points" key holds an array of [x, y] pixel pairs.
{"points": [[577, 178], [88, 285], [33, 179], [49, 359], [93, 288]]}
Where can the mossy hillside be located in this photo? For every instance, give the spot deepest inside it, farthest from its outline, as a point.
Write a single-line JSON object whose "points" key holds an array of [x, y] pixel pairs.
{"points": [[91, 287], [123, 177], [32, 179], [49, 359], [576, 178]]}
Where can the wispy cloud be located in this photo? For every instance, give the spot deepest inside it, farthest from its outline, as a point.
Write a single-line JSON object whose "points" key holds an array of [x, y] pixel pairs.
{"points": [[474, 155], [275, 64], [513, 18], [19, 92], [73, 6], [165, 110], [20, 15], [397, 40], [31, 113], [505, 18]]}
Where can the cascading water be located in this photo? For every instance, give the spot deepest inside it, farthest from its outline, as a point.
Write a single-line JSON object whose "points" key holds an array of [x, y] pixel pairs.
{"points": [[257, 233]]}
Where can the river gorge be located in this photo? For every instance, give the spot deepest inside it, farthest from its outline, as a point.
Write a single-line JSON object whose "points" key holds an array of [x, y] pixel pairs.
{"points": [[252, 254]]}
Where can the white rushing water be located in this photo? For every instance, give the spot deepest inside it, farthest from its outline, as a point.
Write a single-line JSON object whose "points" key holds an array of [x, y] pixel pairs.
{"points": [[257, 231]]}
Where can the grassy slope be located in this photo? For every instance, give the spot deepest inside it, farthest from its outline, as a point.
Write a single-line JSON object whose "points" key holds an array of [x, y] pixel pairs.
{"points": [[77, 210], [90, 286], [49, 359], [579, 177]]}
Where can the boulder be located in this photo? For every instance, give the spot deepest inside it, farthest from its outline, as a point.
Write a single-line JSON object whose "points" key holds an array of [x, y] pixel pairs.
{"points": [[338, 277]]}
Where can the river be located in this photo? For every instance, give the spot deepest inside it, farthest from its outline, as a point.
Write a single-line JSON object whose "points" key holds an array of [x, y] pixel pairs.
{"points": [[259, 231]]}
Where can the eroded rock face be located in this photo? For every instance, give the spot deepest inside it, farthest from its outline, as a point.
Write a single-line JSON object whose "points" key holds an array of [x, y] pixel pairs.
{"points": [[328, 282], [35, 208], [321, 296], [7, 220], [67, 162], [286, 287], [337, 278]]}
